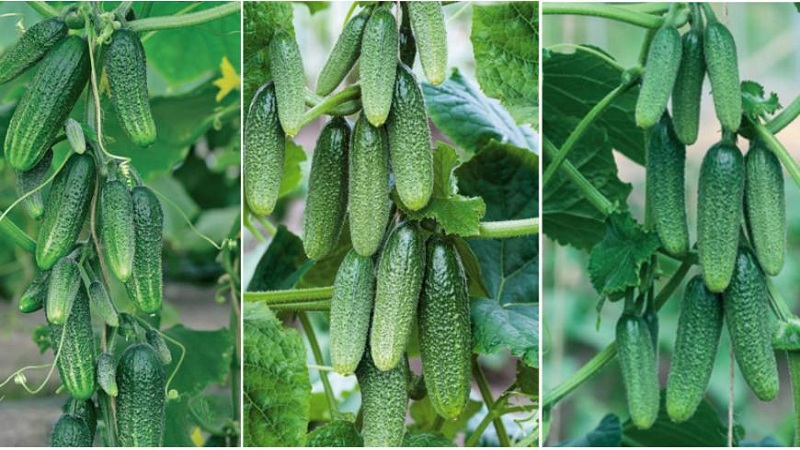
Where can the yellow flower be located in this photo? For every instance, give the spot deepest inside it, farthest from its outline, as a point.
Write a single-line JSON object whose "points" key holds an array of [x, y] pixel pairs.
{"points": [[229, 80]]}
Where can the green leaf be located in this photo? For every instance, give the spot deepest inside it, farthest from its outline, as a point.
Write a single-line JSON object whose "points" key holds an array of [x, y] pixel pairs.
{"points": [[469, 118], [207, 360], [339, 433], [292, 174], [424, 417], [498, 327], [704, 429], [787, 335], [615, 261], [176, 428], [607, 434], [174, 223], [276, 385], [211, 412], [282, 265], [755, 105], [426, 440], [528, 379], [41, 337], [505, 40]]}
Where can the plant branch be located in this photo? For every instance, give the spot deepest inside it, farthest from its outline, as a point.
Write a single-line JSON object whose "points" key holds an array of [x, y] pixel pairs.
{"points": [[13, 233], [187, 20], [625, 15], [340, 98], [491, 405], [786, 116], [43, 9], [508, 228], [780, 151], [793, 358], [273, 298], [647, 8], [595, 197], [315, 350], [313, 305]]}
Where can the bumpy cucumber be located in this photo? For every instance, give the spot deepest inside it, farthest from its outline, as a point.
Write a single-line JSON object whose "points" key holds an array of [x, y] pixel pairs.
{"points": [[747, 316], [160, 345], [344, 54], [47, 102], [666, 187], [696, 342], [663, 61], [70, 431], [145, 286], [723, 72], [141, 398], [115, 213], [107, 374], [399, 281], [31, 47], [30, 180], [85, 409], [66, 210], [264, 146], [410, 142], [766, 207], [351, 307], [101, 304], [445, 335], [377, 66], [427, 21], [76, 360], [408, 45], [290, 82], [637, 359], [383, 404], [34, 296], [688, 89], [126, 69], [719, 211], [65, 281], [326, 204], [368, 186]]}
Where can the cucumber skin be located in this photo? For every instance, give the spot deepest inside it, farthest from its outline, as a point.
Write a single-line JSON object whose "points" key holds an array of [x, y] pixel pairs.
{"points": [[747, 317], [31, 47], [369, 187], [34, 296], [70, 431], [76, 362], [663, 61], [46, 104], [766, 207], [445, 333], [723, 72], [639, 367], [141, 398], [160, 345], [666, 186], [126, 69], [66, 210], [145, 286], [85, 410], [264, 147], [117, 232], [351, 309], [107, 374], [410, 142], [30, 180], [101, 305], [383, 403], [688, 89], [427, 21], [379, 46], [288, 74], [326, 203], [399, 282], [344, 55], [65, 281], [696, 343], [408, 45], [719, 212]]}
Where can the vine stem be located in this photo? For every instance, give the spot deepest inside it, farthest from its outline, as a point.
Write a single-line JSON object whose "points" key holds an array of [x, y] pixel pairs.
{"points": [[786, 116], [188, 20], [345, 95], [648, 8], [486, 393], [274, 298], [595, 197], [317, 305], [780, 151], [508, 228], [43, 9], [11, 231], [793, 357], [323, 375], [628, 16]]}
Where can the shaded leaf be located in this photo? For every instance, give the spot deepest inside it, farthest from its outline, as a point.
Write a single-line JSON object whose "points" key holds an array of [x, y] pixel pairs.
{"points": [[426, 440], [607, 434], [424, 417], [512, 327], [282, 265], [704, 429], [339, 433]]}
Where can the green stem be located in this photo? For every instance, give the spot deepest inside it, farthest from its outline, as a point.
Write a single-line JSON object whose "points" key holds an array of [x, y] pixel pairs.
{"points": [[188, 20], [777, 302], [272, 298], [793, 357], [267, 225], [595, 197], [508, 228], [605, 11], [491, 405], [347, 94], [787, 115], [314, 305], [43, 9], [13, 233], [645, 48], [122, 9], [780, 151], [648, 8], [323, 376]]}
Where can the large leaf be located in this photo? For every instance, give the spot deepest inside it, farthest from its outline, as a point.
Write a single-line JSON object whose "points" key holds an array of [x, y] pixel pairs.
{"points": [[704, 429], [339, 433], [607, 434], [282, 265], [497, 327]]}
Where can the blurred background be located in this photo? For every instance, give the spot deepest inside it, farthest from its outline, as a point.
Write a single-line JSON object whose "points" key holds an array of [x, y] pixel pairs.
{"points": [[768, 41]]}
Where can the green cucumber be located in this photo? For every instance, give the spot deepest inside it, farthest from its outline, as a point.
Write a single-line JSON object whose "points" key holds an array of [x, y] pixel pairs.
{"points": [[107, 374], [723, 72], [379, 46], [30, 180], [427, 21], [141, 398], [31, 47], [351, 307], [688, 89], [696, 342], [76, 359], [156, 341], [290, 82], [264, 145], [369, 187], [344, 54], [766, 206], [663, 61], [666, 186], [445, 334], [34, 296], [85, 409], [101, 304], [47, 102], [115, 214], [326, 204], [408, 45], [399, 281], [383, 404], [637, 360], [410, 142], [719, 212], [65, 281], [70, 431], [145, 286]]}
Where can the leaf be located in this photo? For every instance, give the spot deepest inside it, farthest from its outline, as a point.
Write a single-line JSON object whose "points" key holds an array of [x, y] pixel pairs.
{"points": [[261, 20], [282, 265], [207, 360], [211, 412], [755, 105], [505, 40], [607, 434], [424, 417], [528, 379], [426, 440], [339, 433], [177, 425], [514, 327], [471, 119], [615, 262], [276, 385], [229, 81], [787, 335], [41, 337], [292, 173], [704, 429]]}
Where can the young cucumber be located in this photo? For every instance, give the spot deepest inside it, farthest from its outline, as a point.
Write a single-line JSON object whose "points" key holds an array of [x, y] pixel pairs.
{"points": [[85, 409], [31, 47], [141, 398], [65, 281], [766, 206], [70, 431], [344, 54], [101, 304], [383, 403], [637, 360], [379, 46], [30, 180], [663, 61], [34, 296], [427, 21], [145, 286], [264, 146], [688, 89], [76, 359], [723, 72], [117, 234], [290, 82], [351, 307], [107, 374]]}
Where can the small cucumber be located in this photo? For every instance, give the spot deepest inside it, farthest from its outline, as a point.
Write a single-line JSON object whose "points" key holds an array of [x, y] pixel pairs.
{"points": [[666, 186], [34, 296], [30, 180], [115, 214], [107, 374], [351, 307], [723, 72], [141, 398], [766, 206], [290, 82], [101, 304], [70, 431], [344, 54], [427, 21], [264, 146], [145, 286], [379, 46], [65, 281], [76, 360], [663, 61], [408, 45], [85, 409], [31, 47], [160, 345], [688, 89], [637, 360], [383, 403]]}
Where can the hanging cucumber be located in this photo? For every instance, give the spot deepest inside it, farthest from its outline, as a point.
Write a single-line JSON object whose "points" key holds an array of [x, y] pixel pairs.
{"points": [[290, 82], [637, 360], [141, 397], [379, 45], [344, 54], [766, 206], [145, 286], [383, 404], [76, 360], [723, 71], [688, 89], [115, 214], [30, 180], [427, 21], [663, 61], [264, 146], [65, 281], [31, 47], [666, 186], [351, 308]]}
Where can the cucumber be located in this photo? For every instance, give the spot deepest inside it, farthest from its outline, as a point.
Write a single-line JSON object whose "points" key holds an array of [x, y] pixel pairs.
{"points": [[115, 214], [663, 61], [107, 374], [290, 83], [766, 206], [696, 342], [70, 431], [747, 316], [637, 360], [47, 102], [399, 281], [264, 145], [666, 186], [368, 187], [351, 306], [31, 47], [76, 360], [723, 72], [145, 286], [141, 398], [383, 404], [126, 69], [650, 317], [34, 296], [719, 212], [160, 345], [66, 210], [65, 281], [30, 180], [344, 54], [427, 21], [379, 45], [85, 409], [445, 335], [408, 45], [410, 142], [101, 304], [326, 204], [688, 89]]}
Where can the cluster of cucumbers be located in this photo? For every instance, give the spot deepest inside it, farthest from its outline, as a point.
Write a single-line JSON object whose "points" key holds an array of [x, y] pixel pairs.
{"points": [[125, 237], [741, 231], [395, 274]]}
